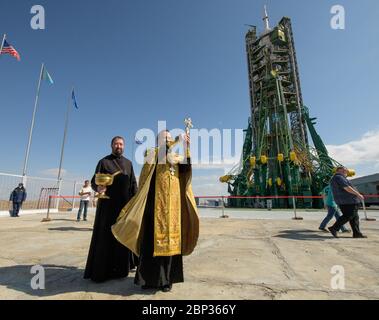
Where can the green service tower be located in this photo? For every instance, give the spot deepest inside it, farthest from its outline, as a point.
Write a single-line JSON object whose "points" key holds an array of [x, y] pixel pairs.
{"points": [[278, 158]]}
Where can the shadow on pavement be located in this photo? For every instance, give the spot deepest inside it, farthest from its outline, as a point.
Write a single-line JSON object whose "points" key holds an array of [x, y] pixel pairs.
{"points": [[65, 279], [70, 229], [64, 219], [307, 235]]}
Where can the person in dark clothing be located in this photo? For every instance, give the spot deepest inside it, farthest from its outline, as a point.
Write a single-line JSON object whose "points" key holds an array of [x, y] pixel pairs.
{"points": [[17, 197], [348, 200], [107, 258]]}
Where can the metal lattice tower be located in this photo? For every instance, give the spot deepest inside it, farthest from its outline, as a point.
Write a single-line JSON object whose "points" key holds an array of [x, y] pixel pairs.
{"points": [[277, 158]]}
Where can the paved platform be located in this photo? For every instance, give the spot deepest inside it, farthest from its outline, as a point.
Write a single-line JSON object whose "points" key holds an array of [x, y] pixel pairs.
{"points": [[269, 257]]}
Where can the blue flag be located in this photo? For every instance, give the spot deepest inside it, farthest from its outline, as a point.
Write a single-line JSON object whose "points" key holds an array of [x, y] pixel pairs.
{"points": [[74, 99]]}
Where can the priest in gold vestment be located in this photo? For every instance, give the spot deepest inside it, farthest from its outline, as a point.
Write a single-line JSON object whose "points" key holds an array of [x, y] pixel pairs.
{"points": [[160, 224]]}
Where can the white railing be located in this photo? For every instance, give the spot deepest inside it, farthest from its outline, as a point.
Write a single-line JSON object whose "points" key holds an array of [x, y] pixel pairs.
{"points": [[38, 191]]}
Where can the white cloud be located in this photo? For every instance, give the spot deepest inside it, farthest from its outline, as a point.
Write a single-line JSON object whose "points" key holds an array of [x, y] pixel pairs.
{"points": [[226, 165], [208, 186], [66, 175], [53, 172], [361, 154]]}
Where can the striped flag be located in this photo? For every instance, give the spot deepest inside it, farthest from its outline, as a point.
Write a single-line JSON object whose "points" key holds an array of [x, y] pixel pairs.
{"points": [[8, 49]]}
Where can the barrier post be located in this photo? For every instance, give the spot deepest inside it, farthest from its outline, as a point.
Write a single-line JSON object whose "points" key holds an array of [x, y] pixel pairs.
{"points": [[47, 219], [269, 204], [73, 197], [59, 193], [223, 208], [294, 210], [364, 210]]}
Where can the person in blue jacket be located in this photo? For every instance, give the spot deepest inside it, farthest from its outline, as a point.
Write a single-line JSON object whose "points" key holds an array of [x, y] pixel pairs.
{"points": [[18, 196]]}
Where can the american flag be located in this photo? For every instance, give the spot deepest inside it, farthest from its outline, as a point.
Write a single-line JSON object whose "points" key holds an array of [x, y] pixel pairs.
{"points": [[8, 49]]}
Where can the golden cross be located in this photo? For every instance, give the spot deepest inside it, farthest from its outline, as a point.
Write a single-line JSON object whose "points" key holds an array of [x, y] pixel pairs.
{"points": [[188, 124]]}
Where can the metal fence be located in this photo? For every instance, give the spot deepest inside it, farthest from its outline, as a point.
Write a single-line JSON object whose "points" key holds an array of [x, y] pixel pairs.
{"points": [[220, 204], [47, 193], [38, 191]]}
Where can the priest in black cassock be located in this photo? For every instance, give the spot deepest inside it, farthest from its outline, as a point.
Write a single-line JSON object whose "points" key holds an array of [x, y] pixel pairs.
{"points": [[160, 224], [107, 258]]}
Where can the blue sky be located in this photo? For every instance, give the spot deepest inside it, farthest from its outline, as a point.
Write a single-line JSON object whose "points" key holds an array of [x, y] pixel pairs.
{"points": [[136, 62]]}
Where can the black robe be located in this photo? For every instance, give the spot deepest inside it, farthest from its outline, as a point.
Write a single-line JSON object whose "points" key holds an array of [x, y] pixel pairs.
{"points": [[107, 258], [156, 272]]}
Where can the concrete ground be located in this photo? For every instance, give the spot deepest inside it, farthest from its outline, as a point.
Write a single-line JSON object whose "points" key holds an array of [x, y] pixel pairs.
{"points": [[251, 255]]}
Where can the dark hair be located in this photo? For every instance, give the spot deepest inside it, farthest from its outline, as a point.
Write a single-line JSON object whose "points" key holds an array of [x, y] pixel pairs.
{"points": [[86, 181], [117, 138]]}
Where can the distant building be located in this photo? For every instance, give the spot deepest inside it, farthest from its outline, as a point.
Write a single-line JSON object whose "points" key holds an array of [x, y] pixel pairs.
{"points": [[213, 203], [209, 203], [368, 185]]}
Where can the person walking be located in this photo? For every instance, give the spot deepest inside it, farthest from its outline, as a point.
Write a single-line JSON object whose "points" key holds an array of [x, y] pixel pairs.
{"points": [[348, 199], [332, 208]]}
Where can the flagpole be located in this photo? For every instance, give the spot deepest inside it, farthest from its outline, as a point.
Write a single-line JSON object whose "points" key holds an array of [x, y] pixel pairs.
{"points": [[32, 126], [133, 142], [64, 136], [2, 43]]}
